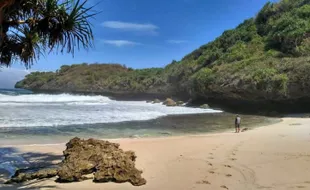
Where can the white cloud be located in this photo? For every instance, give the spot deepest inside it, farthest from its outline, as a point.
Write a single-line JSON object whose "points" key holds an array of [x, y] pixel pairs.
{"points": [[120, 43], [9, 76], [127, 26], [176, 41]]}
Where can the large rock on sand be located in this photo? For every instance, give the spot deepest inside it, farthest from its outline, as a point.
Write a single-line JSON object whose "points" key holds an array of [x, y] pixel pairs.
{"points": [[105, 160], [170, 102]]}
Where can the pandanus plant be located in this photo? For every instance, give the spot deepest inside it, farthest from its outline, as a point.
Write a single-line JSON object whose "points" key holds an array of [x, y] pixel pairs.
{"points": [[29, 28]]}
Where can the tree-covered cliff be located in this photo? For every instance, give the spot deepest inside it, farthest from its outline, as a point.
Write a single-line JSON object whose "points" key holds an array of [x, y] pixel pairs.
{"points": [[96, 78], [264, 58]]}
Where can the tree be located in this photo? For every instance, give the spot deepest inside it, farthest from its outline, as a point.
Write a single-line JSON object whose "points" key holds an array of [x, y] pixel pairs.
{"points": [[28, 28], [290, 30]]}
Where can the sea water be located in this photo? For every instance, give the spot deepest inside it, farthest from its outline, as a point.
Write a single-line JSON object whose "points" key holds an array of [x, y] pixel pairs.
{"points": [[52, 118]]}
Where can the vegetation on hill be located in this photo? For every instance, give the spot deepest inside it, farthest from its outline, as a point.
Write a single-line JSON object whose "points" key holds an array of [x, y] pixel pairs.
{"points": [[95, 78], [265, 58]]}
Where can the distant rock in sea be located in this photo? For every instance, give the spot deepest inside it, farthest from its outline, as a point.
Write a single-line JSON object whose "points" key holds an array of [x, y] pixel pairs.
{"points": [[180, 103], [156, 101], [205, 106], [170, 102]]}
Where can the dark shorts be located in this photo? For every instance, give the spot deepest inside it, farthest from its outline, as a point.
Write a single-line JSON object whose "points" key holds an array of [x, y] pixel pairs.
{"points": [[237, 125]]}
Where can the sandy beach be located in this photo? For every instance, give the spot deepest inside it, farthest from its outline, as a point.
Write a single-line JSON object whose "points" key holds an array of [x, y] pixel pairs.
{"points": [[271, 157]]}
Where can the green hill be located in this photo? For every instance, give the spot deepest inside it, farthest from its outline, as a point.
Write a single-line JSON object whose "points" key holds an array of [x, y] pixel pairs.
{"points": [[266, 58]]}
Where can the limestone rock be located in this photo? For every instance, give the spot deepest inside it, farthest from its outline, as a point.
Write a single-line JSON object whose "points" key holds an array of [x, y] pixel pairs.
{"points": [[105, 160], [205, 106], [180, 103], [170, 102], [156, 101]]}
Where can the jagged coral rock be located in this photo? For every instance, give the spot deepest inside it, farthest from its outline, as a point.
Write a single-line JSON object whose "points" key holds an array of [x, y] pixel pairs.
{"points": [[105, 160]]}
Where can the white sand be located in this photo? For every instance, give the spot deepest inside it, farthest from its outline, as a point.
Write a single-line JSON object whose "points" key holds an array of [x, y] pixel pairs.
{"points": [[271, 157]]}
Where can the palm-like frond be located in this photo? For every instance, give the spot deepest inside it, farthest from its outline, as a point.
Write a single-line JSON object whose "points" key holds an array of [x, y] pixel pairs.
{"points": [[38, 25], [71, 28]]}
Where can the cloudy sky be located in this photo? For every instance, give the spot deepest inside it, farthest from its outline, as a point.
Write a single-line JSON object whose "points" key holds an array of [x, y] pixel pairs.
{"points": [[149, 33]]}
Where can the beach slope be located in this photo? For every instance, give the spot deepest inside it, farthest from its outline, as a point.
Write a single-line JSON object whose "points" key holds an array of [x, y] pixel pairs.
{"points": [[271, 157]]}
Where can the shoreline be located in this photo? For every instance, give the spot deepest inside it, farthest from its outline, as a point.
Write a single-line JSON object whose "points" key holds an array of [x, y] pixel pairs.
{"points": [[265, 157], [168, 126], [125, 139]]}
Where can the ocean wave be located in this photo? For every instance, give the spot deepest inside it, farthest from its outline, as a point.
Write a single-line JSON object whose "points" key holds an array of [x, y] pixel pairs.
{"points": [[44, 110], [46, 98]]}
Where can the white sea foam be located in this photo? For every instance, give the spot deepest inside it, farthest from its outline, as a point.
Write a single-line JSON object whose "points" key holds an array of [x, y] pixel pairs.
{"points": [[46, 98], [39, 110]]}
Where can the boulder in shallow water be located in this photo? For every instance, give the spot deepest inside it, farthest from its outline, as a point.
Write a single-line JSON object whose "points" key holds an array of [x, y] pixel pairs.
{"points": [[180, 103], [170, 102], [205, 106], [156, 101]]}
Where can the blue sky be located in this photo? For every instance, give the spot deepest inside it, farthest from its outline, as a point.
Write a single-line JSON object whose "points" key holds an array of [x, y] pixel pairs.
{"points": [[151, 33]]}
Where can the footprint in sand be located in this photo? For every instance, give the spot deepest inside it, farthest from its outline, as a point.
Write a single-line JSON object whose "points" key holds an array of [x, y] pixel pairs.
{"points": [[227, 166], [292, 124], [211, 157], [307, 182], [224, 187], [233, 159], [228, 175], [234, 154], [211, 153], [210, 164], [211, 172], [203, 182], [300, 187]]}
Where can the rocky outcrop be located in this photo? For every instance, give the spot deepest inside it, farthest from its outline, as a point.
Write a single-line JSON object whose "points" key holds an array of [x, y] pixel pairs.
{"points": [[156, 101], [205, 106], [105, 160], [180, 103], [170, 102]]}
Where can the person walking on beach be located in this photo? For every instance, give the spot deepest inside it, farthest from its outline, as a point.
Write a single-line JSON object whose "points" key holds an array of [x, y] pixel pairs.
{"points": [[237, 123]]}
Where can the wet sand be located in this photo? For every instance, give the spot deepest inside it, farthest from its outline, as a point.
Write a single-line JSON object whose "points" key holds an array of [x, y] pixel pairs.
{"points": [[272, 157]]}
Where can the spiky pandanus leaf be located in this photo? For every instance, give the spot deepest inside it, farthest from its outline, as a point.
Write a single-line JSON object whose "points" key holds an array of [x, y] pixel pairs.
{"points": [[38, 25]]}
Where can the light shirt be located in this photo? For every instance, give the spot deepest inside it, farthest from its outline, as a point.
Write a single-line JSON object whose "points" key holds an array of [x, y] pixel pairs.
{"points": [[238, 120]]}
